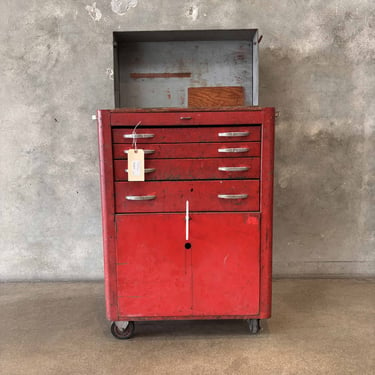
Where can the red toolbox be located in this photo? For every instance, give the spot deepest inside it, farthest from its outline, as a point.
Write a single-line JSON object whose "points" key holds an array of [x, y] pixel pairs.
{"points": [[194, 240]]}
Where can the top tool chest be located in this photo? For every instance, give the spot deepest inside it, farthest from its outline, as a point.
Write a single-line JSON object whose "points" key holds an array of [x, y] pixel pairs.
{"points": [[194, 239]]}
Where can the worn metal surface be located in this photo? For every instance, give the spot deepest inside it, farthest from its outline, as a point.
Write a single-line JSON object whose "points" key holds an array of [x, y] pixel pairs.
{"points": [[180, 134], [56, 70], [218, 276], [209, 63], [224, 268], [171, 197], [186, 150], [194, 169]]}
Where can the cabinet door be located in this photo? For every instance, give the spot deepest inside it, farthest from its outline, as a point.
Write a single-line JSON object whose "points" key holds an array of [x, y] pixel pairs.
{"points": [[161, 274], [225, 263], [153, 266]]}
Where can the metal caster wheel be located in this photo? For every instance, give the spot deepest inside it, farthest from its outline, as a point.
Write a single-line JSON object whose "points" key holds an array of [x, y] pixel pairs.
{"points": [[254, 326], [122, 330]]}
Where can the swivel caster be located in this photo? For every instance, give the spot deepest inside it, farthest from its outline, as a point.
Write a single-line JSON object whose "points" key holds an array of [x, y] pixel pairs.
{"points": [[254, 326], [122, 330]]}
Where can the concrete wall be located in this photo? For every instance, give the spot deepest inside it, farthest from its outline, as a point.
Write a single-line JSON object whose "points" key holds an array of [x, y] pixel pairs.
{"points": [[317, 67]]}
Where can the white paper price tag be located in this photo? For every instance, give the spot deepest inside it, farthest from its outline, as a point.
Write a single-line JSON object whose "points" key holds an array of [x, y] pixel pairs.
{"points": [[136, 165]]}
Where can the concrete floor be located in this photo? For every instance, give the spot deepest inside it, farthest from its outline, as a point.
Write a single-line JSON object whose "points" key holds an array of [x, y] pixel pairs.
{"points": [[318, 327]]}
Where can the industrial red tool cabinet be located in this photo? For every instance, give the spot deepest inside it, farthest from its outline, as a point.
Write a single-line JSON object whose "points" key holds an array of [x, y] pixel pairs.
{"points": [[192, 241]]}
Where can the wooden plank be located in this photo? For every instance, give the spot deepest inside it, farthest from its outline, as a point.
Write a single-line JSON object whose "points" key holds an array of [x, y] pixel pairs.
{"points": [[216, 96]]}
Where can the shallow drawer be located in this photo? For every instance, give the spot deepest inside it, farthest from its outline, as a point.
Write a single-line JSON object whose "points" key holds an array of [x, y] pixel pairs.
{"points": [[183, 135], [187, 118], [191, 150], [194, 169], [168, 196]]}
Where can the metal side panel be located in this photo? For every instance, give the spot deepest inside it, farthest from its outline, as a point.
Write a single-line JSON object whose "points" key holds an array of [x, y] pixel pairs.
{"points": [[255, 66]]}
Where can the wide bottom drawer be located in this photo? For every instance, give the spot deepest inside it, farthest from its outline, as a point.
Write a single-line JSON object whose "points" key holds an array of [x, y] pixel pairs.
{"points": [[171, 196]]}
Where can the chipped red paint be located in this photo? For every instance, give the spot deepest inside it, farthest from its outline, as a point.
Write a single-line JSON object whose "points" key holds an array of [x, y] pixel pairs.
{"points": [[266, 207], [189, 150], [193, 169], [240, 56], [202, 195], [149, 272], [108, 213], [181, 134]]}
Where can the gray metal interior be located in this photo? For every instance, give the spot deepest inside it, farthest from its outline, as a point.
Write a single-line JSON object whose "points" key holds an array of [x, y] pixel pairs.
{"points": [[212, 58]]}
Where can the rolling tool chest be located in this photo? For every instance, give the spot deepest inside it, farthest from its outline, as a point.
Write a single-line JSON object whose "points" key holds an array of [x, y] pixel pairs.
{"points": [[194, 239]]}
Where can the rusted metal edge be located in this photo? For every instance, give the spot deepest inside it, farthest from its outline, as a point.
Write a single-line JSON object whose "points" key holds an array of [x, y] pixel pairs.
{"points": [[191, 317], [160, 75], [186, 109]]}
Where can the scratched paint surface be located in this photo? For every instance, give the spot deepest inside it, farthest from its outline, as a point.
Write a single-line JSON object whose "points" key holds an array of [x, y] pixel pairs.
{"points": [[158, 276]]}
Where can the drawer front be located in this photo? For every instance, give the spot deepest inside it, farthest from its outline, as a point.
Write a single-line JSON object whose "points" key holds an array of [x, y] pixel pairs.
{"points": [[187, 118], [192, 169], [168, 196], [191, 150], [184, 134]]}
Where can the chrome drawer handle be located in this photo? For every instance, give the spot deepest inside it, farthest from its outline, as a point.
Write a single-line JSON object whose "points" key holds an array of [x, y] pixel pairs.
{"points": [[234, 134], [185, 118], [233, 169], [232, 196], [147, 170], [140, 197], [138, 136], [146, 152], [238, 149]]}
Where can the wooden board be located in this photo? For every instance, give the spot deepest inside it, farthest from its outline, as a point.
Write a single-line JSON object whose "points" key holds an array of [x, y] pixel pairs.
{"points": [[216, 96]]}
